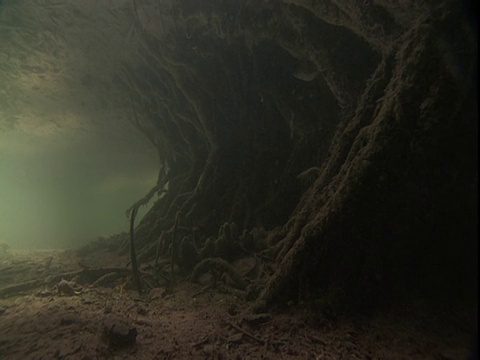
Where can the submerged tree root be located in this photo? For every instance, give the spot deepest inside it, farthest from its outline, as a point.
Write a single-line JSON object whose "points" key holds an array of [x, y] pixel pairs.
{"points": [[219, 265]]}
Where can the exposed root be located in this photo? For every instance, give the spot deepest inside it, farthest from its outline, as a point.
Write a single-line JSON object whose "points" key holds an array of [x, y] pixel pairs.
{"points": [[221, 266]]}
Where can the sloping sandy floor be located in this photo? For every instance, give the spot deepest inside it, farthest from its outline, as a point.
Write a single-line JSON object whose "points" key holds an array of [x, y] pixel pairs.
{"points": [[43, 323]]}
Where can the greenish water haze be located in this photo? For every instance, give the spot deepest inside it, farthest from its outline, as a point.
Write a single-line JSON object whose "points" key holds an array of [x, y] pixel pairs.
{"points": [[64, 188], [70, 162]]}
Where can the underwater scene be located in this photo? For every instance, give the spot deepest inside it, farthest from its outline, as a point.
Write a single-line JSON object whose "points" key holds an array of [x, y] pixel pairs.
{"points": [[238, 179]]}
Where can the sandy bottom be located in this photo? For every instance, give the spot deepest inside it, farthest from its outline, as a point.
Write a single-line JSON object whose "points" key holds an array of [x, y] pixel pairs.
{"points": [[114, 322]]}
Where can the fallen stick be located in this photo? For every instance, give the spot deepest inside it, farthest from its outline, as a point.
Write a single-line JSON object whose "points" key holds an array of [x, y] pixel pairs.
{"points": [[13, 289], [202, 290], [250, 335], [16, 288]]}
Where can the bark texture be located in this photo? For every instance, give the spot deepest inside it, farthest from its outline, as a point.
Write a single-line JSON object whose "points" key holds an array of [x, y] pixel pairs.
{"points": [[376, 97]]}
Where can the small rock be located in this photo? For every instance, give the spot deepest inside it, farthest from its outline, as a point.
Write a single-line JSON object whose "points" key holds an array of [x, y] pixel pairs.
{"points": [[68, 288], [118, 335], [156, 293], [44, 293]]}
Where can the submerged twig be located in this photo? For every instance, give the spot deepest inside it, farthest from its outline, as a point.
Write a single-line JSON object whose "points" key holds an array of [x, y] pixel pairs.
{"points": [[173, 253], [157, 253], [245, 332], [133, 256]]}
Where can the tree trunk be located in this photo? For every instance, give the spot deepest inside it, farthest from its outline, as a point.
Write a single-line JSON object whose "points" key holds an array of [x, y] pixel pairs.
{"points": [[376, 99]]}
